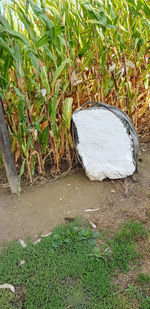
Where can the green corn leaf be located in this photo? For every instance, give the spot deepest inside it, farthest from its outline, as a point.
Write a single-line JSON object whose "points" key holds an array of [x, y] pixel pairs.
{"points": [[19, 37], [11, 19], [15, 35], [109, 86], [43, 18], [7, 48], [19, 94], [21, 111], [84, 49], [58, 72], [97, 22], [35, 84], [59, 130], [24, 18], [42, 41], [37, 125], [62, 40], [29, 142], [7, 65], [27, 5], [88, 59], [67, 112], [20, 175], [45, 138], [1, 94], [18, 61], [34, 61], [147, 23], [58, 29], [45, 79], [4, 22], [48, 53], [53, 113]]}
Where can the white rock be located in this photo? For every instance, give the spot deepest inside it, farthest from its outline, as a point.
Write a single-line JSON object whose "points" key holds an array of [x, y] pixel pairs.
{"points": [[104, 145]]}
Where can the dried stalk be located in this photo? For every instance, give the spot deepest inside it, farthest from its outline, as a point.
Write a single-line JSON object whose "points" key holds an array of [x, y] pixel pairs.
{"points": [[125, 77]]}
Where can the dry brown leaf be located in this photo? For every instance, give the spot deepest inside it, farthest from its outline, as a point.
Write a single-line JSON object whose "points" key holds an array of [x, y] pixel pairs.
{"points": [[44, 125]]}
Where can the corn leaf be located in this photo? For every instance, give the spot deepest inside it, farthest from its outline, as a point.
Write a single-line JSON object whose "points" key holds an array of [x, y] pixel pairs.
{"points": [[58, 72]]}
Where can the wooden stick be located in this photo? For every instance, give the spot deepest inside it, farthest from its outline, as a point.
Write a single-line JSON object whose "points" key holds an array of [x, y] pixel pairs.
{"points": [[7, 154]]}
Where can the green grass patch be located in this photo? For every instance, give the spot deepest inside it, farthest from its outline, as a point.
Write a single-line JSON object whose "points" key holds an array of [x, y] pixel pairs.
{"points": [[69, 270], [144, 279], [124, 244]]}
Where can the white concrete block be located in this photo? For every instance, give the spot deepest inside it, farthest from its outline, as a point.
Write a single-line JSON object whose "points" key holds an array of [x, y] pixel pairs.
{"points": [[105, 147]]}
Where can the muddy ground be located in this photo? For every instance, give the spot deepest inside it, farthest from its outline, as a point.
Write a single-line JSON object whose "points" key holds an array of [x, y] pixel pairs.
{"points": [[41, 207]]}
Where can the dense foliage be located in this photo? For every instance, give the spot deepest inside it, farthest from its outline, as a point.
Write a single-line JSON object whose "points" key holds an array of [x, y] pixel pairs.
{"points": [[56, 55]]}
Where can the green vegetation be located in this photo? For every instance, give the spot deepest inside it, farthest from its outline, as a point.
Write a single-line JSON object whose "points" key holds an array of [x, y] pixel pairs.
{"points": [[54, 56], [74, 267], [144, 279]]}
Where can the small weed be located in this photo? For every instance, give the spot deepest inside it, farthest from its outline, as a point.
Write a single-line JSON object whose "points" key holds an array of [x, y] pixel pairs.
{"points": [[68, 269], [143, 279], [145, 304], [131, 231], [123, 246], [133, 291]]}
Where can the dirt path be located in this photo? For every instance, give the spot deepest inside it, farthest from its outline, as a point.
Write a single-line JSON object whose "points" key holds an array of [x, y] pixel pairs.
{"points": [[40, 208]]}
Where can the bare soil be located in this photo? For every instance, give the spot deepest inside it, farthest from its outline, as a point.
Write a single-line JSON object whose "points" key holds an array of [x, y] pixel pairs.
{"points": [[41, 207]]}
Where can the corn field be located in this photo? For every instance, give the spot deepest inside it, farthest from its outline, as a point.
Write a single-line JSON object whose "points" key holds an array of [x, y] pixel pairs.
{"points": [[55, 56]]}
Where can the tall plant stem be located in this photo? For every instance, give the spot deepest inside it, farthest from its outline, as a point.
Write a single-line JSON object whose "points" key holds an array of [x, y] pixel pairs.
{"points": [[112, 73], [70, 69], [97, 66], [125, 77], [67, 53], [40, 163], [136, 73]]}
